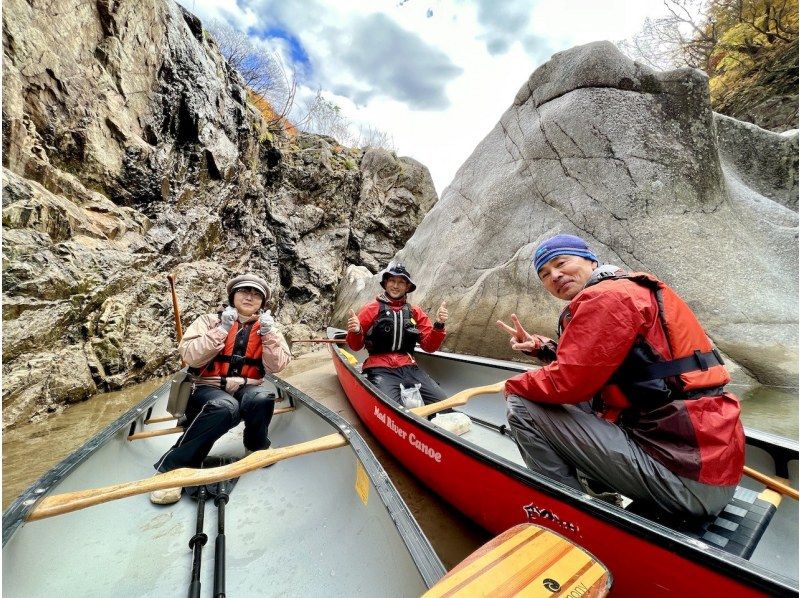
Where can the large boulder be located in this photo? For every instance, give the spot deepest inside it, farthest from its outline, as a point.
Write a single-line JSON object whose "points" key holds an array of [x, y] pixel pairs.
{"points": [[133, 150], [635, 162]]}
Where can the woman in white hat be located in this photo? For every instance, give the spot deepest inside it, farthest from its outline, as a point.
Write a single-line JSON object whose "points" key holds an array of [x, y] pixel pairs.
{"points": [[228, 355]]}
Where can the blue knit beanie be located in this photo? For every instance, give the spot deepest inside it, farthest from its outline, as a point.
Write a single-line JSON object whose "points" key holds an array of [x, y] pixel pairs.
{"points": [[561, 245]]}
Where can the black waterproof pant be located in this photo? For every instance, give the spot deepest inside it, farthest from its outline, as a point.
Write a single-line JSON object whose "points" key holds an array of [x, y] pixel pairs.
{"points": [[557, 440], [390, 379], [210, 413]]}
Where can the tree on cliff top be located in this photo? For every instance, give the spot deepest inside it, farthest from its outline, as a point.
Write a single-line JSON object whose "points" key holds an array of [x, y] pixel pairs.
{"points": [[748, 48], [273, 87]]}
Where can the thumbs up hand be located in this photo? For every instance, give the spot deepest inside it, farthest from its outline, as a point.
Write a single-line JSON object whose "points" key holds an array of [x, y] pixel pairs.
{"points": [[442, 314], [353, 325], [266, 322]]}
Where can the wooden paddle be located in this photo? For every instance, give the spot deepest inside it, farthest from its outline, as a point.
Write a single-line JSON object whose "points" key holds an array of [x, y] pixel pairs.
{"points": [[334, 341], [73, 501], [176, 310], [465, 395], [526, 560], [458, 399]]}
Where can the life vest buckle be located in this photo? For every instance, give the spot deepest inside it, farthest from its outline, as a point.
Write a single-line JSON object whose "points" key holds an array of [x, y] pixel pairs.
{"points": [[701, 362], [237, 361]]}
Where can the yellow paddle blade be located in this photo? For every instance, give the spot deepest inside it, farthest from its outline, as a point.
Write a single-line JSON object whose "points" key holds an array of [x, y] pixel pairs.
{"points": [[526, 560]]}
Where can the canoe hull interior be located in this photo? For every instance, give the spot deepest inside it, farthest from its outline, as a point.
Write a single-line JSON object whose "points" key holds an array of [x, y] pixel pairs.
{"points": [[298, 528], [482, 475]]}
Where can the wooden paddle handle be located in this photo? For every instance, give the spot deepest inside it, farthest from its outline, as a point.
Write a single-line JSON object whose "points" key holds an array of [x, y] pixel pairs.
{"points": [[771, 483], [73, 501], [176, 310], [458, 399]]}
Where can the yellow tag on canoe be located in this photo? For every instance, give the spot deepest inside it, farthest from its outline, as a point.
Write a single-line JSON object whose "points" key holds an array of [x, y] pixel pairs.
{"points": [[349, 357], [362, 482]]}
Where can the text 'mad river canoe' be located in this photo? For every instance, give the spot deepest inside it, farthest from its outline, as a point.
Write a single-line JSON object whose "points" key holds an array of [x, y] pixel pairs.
{"points": [[328, 523], [751, 549]]}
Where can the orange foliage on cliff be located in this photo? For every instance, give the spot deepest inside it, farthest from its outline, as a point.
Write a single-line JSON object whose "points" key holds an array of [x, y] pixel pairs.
{"points": [[269, 114]]}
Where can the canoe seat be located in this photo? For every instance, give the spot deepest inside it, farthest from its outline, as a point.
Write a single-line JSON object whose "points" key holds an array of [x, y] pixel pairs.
{"points": [[740, 525]]}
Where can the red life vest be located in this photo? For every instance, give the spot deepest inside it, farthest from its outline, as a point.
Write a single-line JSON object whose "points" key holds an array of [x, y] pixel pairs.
{"points": [[241, 355], [669, 394], [694, 368]]}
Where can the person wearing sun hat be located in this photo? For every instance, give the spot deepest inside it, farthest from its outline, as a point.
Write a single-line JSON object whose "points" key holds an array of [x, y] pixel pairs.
{"points": [[228, 354], [632, 395], [390, 327]]}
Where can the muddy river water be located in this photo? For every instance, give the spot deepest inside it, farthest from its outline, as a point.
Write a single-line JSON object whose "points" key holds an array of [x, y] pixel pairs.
{"points": [[32, 449]]}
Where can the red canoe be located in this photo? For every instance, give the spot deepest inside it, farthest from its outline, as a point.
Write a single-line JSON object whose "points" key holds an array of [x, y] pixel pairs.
{"points": [[751, 549]]}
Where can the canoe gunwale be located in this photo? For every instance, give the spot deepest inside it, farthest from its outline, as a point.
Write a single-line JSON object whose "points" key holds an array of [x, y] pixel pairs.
{"points": [[422, 553], [713, 558], [18, 510]]}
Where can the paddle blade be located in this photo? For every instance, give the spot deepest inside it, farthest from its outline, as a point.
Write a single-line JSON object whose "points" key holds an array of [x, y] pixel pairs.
{"points": [[458, 399], [73, 501], [526, 560]]}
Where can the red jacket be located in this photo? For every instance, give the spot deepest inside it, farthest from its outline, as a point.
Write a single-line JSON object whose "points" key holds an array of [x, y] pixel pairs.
{"points": [[699, 438], [430, 338]]}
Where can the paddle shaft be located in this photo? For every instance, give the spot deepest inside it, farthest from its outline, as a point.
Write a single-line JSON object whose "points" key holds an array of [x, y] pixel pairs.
{"points": [[458, 399], [176, 310], [771, 483], [335, 341], [196, 544], [73, 501]]}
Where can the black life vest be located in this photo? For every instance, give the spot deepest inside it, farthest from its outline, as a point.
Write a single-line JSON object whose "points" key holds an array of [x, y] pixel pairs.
{"points": [[394, 331]]}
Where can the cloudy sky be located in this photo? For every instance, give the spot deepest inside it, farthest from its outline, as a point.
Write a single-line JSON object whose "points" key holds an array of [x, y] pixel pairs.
{"points": [[435, 74]]}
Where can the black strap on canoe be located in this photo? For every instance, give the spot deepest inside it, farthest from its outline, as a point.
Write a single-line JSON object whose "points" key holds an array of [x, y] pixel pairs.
{"points": [[697, 361], [220, 499]]}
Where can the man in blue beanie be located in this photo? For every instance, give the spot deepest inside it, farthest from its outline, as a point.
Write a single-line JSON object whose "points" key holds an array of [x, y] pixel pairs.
{"points": [[631, 396]]}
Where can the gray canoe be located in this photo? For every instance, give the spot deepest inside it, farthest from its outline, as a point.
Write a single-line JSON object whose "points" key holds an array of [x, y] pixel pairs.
{"points": [[298, 528]]}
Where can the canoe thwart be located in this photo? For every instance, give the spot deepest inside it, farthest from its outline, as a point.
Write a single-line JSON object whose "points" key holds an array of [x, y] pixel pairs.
{"points": [[527, 560], [179, 429], [739, 527]]}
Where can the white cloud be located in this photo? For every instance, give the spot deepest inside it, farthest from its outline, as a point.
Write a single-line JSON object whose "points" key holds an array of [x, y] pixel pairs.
{"points": [[436, 75]]}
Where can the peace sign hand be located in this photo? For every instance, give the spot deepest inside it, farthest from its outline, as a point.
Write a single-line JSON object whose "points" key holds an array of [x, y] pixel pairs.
{"points": [[521, 340]]}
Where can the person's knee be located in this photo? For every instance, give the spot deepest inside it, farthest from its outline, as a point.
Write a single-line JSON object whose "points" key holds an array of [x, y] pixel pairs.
{"points": [[257, 394], [222, 409]]}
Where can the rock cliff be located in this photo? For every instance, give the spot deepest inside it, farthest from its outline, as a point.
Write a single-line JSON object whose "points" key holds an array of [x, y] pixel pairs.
{"points": [[131, 150], [636, 162]]}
